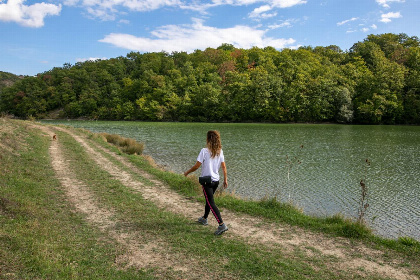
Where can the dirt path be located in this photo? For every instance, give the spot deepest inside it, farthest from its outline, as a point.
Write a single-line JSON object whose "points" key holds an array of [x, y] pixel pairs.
{"points": [[357, 259], [139, 252]]}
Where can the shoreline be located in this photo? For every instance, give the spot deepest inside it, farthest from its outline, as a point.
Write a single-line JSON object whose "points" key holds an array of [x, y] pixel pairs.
{"points": [[222, 122], [347, 211]]}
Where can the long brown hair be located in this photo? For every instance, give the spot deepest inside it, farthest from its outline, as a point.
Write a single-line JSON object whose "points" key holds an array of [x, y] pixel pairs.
{"points": [[214, 144]]}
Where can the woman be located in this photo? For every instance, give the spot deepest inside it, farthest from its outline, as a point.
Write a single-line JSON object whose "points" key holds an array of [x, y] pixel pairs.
{"points": [[211, 158]]}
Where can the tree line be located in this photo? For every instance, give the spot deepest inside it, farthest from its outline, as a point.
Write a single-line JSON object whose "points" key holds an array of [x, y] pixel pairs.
{"points": [[377, 81]]}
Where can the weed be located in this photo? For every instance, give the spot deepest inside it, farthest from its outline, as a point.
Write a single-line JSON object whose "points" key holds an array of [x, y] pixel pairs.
{"points": [[363, 206], [31, 118], [291, 163]]}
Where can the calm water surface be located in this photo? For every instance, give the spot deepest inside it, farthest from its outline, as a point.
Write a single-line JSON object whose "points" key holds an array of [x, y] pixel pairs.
{"points": [[327, 180]]}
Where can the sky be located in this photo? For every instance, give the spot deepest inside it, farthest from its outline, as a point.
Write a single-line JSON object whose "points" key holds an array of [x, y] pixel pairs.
{"points": [[36, 36]]}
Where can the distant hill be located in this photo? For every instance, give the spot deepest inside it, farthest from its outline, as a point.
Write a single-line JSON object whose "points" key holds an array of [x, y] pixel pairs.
{"points": [[8, 79]]}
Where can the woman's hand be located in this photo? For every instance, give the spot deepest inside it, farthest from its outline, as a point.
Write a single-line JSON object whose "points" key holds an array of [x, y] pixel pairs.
{"points": [[192, 169], [225, 183]]}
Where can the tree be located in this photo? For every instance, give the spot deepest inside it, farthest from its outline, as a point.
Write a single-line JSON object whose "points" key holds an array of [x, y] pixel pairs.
{"points": [[376, 81], [345, 106], [384, 96]]}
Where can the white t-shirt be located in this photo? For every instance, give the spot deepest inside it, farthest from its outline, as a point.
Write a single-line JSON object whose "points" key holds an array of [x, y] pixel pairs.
{"points": [[210, 166]]}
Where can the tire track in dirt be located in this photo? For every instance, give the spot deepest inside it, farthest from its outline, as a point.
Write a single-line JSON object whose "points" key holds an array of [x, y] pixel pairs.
{"points": [[139, 254], [251, 229]]}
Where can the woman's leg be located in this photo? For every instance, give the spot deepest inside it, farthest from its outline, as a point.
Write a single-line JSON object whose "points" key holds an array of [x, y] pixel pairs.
{"points": [[210, 205], [207, 207]]}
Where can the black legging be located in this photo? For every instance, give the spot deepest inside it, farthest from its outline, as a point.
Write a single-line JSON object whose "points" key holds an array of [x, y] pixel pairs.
{"points": [[208, 191]]}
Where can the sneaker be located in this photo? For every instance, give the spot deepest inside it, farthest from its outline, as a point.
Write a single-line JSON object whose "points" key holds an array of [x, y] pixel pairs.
{"points": [[202, 221], [221, 229]]}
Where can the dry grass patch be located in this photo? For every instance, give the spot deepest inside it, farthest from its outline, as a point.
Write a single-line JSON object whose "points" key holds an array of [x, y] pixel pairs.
{"points": [[126, 145]]}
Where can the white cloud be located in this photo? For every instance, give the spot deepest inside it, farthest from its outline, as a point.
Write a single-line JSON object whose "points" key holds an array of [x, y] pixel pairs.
{"points": [[286, 23], [295, 47], [259, 12], [266, 15], [124, 21], [346, 21], [195, 36], [262, 9], [134, 5], [373, 26], [201, 7], [236, 2], [70, 2], [30, 16], [387, 17], [103, 14], [108, 9], [90, 59], [147, 5], [365, 29], [384, 3], [287, 3]]}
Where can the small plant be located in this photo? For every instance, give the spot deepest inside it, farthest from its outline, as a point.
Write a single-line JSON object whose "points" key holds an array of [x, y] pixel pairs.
{"points": [[31, 118], [408, 241], [363, 205]]}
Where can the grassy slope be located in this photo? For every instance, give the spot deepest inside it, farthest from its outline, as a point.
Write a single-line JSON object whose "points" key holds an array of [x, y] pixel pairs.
{"points": [[43, 237]]}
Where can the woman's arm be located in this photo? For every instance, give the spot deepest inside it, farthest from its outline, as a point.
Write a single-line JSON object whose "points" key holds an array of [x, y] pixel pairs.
{"points": [[194, 168], [225, 183]]}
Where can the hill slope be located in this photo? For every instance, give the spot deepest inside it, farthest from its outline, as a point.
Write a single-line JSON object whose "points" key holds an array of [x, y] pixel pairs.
{"points": [[8, 79]]}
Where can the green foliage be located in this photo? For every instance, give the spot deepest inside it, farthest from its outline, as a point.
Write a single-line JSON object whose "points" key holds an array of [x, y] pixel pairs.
{"points": [[408, 241], [375, 82]]}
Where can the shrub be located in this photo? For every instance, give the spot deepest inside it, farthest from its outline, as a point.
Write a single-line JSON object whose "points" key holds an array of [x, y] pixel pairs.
{"points": [[127, 145]]}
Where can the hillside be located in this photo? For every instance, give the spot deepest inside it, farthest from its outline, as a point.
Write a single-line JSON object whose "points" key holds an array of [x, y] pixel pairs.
{"points": [[8, 79], [75, 207], [377, 81]]}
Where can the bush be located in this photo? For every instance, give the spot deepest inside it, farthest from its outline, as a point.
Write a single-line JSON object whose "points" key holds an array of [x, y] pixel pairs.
{"points": [[127, 145]]}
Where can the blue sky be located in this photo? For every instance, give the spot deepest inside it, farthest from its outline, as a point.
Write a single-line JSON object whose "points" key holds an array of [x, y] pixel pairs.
{"points": [[36, 36]]}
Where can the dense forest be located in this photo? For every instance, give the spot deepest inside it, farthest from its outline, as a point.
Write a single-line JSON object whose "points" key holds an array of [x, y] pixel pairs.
{"points": [[377, 81]]}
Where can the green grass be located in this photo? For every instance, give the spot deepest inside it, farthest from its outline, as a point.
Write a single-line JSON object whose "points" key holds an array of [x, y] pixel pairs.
{"points": [[41, 236]]}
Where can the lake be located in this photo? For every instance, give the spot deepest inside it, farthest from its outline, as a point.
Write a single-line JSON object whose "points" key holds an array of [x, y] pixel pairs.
{"points": [[326, 182]]}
